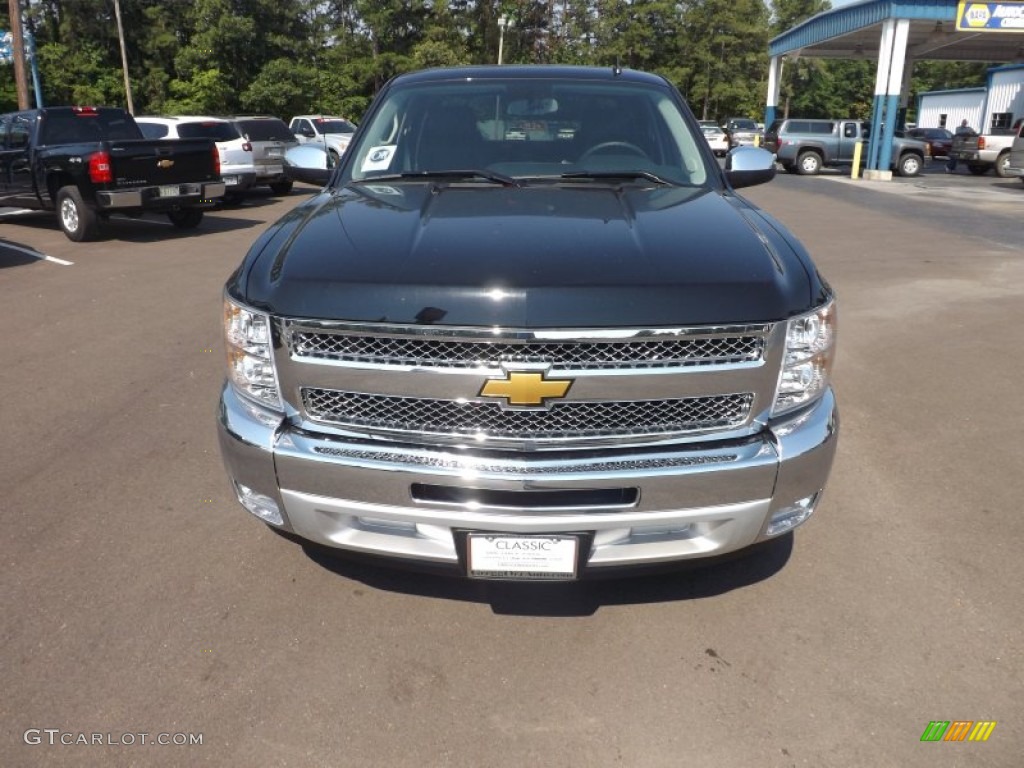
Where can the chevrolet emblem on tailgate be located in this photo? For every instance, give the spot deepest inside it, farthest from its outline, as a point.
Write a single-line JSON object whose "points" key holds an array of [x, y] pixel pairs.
{"points": [[164, 163], [520, 388]]}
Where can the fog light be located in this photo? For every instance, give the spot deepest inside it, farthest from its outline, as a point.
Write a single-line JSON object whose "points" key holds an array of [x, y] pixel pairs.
{"points": [[666, 533], [789, 517], [264, 507], [388, 526]]}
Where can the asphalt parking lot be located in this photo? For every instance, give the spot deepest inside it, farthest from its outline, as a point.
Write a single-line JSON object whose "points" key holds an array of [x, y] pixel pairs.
{"points": [[139, 598]]}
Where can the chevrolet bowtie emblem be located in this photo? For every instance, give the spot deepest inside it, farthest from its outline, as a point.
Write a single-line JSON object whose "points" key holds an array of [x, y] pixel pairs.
{"points": [[164, 163], [525, 389]]}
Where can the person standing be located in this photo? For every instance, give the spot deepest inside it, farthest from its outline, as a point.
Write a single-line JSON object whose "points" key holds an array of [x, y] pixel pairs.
{"points": [[964, 129]]}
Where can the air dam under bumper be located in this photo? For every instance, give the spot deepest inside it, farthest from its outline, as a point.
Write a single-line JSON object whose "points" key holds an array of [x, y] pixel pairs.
{"points": [[404, 502]]}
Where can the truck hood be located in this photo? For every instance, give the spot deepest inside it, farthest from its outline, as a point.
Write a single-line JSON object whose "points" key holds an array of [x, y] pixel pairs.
{"points": [[540, 256]]}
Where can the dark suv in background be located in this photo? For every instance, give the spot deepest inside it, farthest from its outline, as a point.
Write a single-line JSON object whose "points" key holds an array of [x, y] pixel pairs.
{"points": [[939, 140]]}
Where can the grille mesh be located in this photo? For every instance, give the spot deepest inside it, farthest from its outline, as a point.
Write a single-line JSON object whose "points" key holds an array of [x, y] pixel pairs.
{"points": [[562, 420], [452, 353]]}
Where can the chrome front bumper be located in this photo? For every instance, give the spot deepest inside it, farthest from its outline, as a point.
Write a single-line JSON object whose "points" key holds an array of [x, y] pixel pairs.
{"points": [[685, 501]]}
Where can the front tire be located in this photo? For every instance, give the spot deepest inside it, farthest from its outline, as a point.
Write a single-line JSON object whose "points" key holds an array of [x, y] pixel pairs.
{"points": [[186, 218], [808, 163], [78, 220], [910, 165], [281, 187]]}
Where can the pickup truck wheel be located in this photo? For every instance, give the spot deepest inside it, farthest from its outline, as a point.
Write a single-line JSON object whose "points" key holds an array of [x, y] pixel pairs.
{"points": [[910, 165], [1002, 163], [186, 218], [281, 187], [77, 219], [808, 163], [977, 170], [332, 158]]}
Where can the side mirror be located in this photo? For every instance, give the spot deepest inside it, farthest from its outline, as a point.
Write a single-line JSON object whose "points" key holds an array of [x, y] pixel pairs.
{"points": [[308, 163], [749, 166]]}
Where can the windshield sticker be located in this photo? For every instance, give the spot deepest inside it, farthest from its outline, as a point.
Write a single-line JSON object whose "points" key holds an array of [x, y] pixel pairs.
{"points": [[378, 158]]}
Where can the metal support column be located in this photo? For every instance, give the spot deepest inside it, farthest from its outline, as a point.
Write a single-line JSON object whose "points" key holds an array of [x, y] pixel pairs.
{"points": [[888, 83], [774, 83]]}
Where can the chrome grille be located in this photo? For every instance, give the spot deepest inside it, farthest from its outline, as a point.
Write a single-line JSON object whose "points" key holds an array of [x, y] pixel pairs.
{"points": [[743, 345], [564, 420]]}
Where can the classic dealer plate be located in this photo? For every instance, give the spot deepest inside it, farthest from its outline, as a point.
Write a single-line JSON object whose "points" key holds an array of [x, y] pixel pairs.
{"points": [[509, 556]]}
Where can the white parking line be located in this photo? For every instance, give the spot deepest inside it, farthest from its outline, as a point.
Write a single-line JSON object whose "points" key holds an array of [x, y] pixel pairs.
{"points": [[36, 254]]}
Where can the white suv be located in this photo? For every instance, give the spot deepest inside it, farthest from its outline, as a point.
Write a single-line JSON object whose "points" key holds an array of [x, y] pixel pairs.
{"points": [[237, 168], [330, 132]]}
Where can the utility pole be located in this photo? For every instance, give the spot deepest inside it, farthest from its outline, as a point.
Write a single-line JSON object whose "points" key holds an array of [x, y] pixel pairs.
{"points": [[18, 52], [503, 23], [124, 56]]}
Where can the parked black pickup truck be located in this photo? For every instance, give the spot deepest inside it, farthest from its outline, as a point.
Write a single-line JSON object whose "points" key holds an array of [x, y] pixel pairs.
{"points": [[528, 330], [86, 163]]}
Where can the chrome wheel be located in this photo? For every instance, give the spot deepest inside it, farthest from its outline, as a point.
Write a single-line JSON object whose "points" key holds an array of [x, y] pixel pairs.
{"points": [[69, 215]]}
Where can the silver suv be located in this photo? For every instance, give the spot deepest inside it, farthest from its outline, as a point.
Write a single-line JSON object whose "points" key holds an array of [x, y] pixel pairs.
{"points": [[237, 168], [270, 139], [743, 132]]}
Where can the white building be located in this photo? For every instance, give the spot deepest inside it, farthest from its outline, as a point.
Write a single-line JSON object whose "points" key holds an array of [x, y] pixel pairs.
{"points": [[996, 106]]}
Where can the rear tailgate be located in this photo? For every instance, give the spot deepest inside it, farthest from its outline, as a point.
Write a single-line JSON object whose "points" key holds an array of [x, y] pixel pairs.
{"points": [[154, 162], [965, 147]]}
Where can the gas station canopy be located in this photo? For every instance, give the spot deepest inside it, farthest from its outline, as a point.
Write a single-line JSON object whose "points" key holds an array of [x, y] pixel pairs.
{"points": [[938, 30]]}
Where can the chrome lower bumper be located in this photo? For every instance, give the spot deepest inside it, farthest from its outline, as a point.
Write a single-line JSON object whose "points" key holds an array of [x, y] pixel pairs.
{"points": [[206, 192], [408, 502]]}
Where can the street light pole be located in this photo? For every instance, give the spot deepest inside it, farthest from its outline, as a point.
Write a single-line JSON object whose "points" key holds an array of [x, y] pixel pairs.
{"points": [[503, 23], [18, 52], [124, 57]]}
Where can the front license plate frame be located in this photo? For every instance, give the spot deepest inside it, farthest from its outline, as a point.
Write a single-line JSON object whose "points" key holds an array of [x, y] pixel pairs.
{"points": [[523, 557]]}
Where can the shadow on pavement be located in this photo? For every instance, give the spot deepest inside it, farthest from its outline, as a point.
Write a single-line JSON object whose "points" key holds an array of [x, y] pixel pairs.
{"points": [[578, 598], [12, 254]]}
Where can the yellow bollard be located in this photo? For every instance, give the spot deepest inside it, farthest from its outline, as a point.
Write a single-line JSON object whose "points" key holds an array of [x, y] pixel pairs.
{"points": [[855, 171]]}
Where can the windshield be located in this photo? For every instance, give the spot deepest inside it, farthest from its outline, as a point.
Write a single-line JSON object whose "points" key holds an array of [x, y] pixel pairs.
{"points": [[741, 124], [208, 129], [265, 129], [531, 128], [333, 125]]}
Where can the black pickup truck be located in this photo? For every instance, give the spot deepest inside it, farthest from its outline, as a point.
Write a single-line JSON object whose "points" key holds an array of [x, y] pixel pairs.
{"points": [[86, 163], [528, 330]]}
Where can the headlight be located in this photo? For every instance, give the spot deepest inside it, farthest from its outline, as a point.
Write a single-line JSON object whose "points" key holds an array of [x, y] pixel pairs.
{"points": [[807, 363], [249, 347]]}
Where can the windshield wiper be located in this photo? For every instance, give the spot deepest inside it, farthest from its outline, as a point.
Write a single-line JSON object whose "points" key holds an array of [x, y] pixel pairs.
{"points": [[588, 175], [472, 173]]}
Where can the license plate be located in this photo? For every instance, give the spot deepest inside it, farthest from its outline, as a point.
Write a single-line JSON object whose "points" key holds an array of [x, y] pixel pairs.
{"points": [[170, 190], [275, 152], [509, 556], [229, 180]]}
